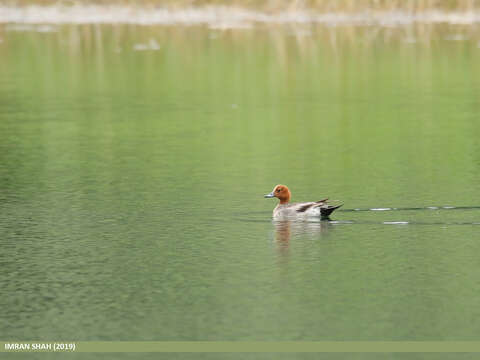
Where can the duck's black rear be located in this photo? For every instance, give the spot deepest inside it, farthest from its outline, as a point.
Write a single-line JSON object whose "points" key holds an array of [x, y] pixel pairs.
{"points": [[327, 210]]}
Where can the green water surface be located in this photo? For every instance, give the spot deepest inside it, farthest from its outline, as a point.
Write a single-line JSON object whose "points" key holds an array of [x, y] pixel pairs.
{"points": [[132, 181]]}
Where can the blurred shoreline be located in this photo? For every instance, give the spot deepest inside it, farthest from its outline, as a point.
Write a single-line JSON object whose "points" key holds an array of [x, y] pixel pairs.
{"points": [[235, 16]]}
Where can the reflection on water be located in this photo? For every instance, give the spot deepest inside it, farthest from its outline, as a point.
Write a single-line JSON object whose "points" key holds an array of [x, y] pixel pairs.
{"points": [[282, 233], [286, 229]]}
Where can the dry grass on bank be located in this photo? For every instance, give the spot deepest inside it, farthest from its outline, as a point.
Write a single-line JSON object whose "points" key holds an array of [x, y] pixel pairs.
{"points": [[284, 5]]}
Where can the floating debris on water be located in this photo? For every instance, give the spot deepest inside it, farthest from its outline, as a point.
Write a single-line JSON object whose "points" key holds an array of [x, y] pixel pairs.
{"points": [[45, 28], [410, 40], [230, 26], [457, 37], [395, 222], [151, 45]]}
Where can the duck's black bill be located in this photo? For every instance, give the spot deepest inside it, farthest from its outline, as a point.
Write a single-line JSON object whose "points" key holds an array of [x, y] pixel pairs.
{"points": [[269, 195]]}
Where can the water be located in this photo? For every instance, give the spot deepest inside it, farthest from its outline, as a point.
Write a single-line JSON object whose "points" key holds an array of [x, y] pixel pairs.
{"points": [[133, 163]]}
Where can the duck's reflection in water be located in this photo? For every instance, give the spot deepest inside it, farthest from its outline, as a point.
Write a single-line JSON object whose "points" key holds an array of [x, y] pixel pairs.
{"points": [[286, 229]]}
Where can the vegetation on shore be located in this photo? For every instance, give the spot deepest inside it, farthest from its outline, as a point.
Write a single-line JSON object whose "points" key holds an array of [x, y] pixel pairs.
{"points": [[283, 5]]}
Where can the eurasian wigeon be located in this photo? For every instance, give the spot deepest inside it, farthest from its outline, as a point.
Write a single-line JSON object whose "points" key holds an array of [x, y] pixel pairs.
{"points": [[299, 210]]}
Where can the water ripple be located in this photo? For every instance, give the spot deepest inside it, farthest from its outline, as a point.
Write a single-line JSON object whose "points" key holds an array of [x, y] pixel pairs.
{"points": [[414, 208], [364, 222]]}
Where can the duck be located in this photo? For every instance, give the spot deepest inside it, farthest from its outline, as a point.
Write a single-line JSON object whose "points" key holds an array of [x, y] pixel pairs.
{"points": [[287, 210]]}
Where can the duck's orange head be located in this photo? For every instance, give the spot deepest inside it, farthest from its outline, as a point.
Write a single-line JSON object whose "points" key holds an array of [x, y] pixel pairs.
{"points": [[281, 192]]}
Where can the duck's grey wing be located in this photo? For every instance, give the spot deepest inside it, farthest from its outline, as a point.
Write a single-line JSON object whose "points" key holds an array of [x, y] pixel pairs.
{"points": [[302, 207], [325, 208]]}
